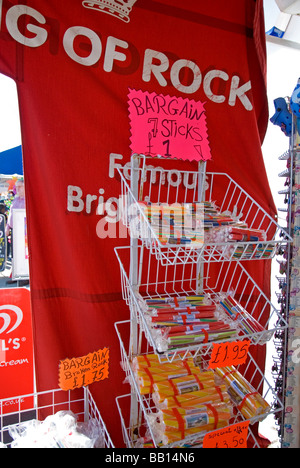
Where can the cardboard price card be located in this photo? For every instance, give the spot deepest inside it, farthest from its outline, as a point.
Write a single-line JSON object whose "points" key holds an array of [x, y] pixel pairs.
{"points": [[229, 354], [230, 437], [168, 126], [85, 370]]}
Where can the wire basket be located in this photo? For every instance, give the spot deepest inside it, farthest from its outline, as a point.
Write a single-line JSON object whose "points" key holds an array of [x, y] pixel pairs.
{"points": [[155, 280], [139, 428], [80, 402], [164, 187]]}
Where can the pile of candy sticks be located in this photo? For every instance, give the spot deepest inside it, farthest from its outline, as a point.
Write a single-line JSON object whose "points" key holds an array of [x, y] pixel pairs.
{"points": [[187, 400], [249, 402], [193, 224], [246, 323], [185, 321]]}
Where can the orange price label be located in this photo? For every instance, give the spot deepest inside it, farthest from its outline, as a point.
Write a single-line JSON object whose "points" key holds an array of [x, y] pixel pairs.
{"points": [[229, 437], [83, 371], [229, 354]]}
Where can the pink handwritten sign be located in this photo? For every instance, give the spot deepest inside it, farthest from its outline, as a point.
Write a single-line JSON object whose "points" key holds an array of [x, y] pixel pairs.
{"points": [[168, 126]]}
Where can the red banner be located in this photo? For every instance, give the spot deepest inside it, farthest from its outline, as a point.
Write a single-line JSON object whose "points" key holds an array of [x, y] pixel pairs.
{"points": [[16, 348], [74, 62]]}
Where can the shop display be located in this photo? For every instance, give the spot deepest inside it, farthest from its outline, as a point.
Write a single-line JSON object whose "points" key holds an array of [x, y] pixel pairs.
{"points": [[76, 66], [179, 223], [181, 308]]}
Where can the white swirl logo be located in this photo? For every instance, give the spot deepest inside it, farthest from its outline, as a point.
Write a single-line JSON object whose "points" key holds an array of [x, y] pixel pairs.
{"points": [[10, 325]]}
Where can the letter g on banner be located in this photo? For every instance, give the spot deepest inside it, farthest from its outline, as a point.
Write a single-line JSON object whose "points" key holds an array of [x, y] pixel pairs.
{"points": [[11, 320]]}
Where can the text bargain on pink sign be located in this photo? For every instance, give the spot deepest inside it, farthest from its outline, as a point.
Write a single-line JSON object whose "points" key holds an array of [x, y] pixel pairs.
{"points": [[168, 126]]}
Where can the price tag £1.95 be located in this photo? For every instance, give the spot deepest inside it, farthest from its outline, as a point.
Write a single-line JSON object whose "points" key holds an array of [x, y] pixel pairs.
{"points": [[229, 354]]}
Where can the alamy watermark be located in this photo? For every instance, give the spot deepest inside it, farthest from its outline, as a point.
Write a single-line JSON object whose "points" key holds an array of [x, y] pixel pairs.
{"points": [[176, 223]]}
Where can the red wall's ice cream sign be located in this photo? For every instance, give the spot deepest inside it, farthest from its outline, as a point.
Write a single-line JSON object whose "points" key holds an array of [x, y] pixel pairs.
{"points": [[16, 347]]}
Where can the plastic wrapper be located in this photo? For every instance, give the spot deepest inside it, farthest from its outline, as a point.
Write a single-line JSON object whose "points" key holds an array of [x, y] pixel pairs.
{"points": [[182, 385], [92, 431], [146, 380], [144, 442], [168, 338], [138, 366], [213, 219], [176, 424], [208, 395], [249, 402], [238, 232], [231, 235], [176, 303], [246, 324], [248, 252], [152, 360], [194, 436], [179, 223], [60, 430], [31, 434], [185, 322], [195, 416]]}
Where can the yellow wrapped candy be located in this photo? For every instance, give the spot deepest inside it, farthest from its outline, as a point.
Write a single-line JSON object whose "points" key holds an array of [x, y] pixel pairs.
{"points": [[170, 436], [249, 402], [146, 380], [198, 416], [186, 384], [152, 360], [208, 395]]}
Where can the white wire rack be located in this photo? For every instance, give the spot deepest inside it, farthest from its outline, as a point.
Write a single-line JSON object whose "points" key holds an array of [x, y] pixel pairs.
{"points": [[146, 409], [161, 186], [155, 280], [40, 405]]}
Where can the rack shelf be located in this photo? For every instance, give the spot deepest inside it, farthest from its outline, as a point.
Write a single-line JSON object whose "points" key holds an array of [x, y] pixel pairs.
{"points": [[158, 187], [147, 410], [160, 281]]}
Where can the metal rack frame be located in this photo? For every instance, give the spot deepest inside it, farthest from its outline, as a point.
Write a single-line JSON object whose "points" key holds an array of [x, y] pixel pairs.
{"points": [[156, 184], [157, 280], [39, 405]]}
